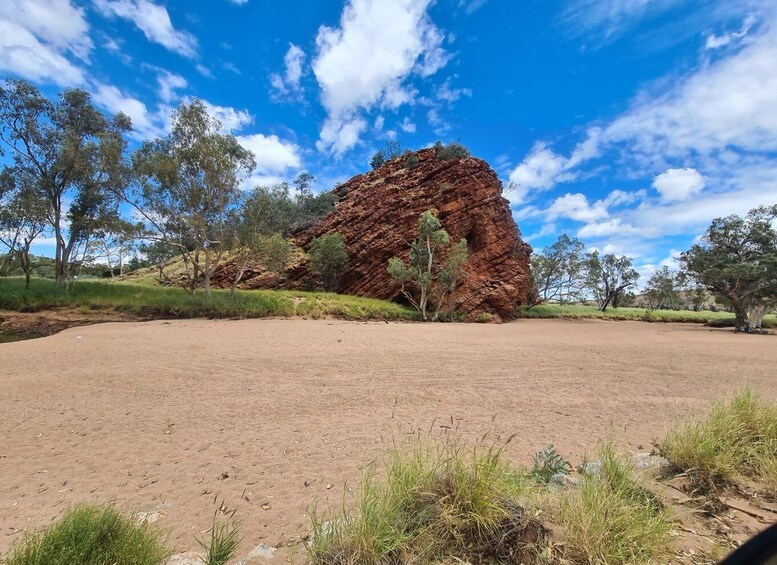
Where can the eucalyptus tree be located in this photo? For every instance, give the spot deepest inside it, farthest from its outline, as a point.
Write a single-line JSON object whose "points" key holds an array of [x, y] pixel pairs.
{"points": [[435, 267], [559, 271], [73, 156], [187, 188], [608, 277], [22, 221], [736, 260]]}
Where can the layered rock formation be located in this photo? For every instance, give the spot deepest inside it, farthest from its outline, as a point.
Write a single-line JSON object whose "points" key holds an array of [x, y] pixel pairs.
{"points": [[377, 215]]}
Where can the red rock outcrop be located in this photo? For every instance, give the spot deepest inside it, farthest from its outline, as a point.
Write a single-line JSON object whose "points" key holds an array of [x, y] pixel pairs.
{"points": [[377, 215]]}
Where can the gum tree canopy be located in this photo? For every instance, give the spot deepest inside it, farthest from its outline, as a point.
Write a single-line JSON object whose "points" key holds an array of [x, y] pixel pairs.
{"points": [[737, 261], [71, 154]]}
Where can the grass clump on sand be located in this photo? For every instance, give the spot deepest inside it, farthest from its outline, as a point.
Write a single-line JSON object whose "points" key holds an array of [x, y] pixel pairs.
{"points": [[735, 441], [433, 504], [87, 535], [223, 543], [611, 517], [582, 312], [167, 302]]}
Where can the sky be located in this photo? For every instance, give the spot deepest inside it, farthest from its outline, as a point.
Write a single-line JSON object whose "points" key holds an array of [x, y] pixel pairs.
{"points": [[630, 124]]}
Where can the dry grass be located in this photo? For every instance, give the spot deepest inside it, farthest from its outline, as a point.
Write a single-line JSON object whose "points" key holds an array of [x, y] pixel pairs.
{"points": [[432, 503], [736, 441]]}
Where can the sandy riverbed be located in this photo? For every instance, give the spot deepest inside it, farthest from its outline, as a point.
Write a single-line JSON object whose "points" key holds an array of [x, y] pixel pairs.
{"points": [[173, 414]]}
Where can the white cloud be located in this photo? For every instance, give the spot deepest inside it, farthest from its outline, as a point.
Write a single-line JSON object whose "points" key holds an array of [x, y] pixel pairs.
{"points": [[231, 119], [364, 62], [339, 135], [407, 126], [21, 53], [613, 226], [288, 84], [239, 2], [168, 84], [718, 41], [203, 70], [58, 23], [542, 169], [153, 20], [618, 198], [448, 94], [439, 125], [273, 155], [37, 35], [145, 124], [576, 207], [676, 185]]}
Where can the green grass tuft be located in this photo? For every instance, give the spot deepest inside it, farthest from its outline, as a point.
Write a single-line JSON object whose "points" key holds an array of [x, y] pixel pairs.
{"points": [[612, 518], [735, 441], [87, 535], [224, 539], [433, 503]]}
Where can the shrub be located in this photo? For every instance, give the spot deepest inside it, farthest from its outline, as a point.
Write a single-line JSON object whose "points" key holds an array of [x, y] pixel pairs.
{"points": [[612, 518], [549, 462], [735, 441], [411, 161], [437, 503], [484, 318], [87, 535], [377, 160], [328, 259], [451, 151]]}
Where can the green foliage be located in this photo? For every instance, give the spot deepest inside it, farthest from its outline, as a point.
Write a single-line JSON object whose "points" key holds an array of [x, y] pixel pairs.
{"points": [[549, 462], [559, 271], [71, 155], [223, 543], [274, 251], [87, 535], [328, 258], [451, 151], [609, 277], [737, 261], [188, 188], [434, 269], [411, 161], [434, 504], [664, 290], [269, 210], [734, 442], [390, 151], [611, 518]]}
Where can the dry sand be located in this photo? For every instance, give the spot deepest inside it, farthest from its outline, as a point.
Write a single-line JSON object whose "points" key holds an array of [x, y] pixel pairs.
{"points": [[172, 414]]}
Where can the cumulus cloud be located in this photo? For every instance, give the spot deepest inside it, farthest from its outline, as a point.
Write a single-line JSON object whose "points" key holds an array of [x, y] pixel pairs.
{"points": [[273, 156], [576, 207], [288, 85], [677, 185], [232, 120], [38, 35], [153, 20], [365, 62]]}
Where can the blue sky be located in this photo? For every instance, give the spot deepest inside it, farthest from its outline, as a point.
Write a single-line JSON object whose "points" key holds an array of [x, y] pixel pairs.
{"points": [[630, 123]]}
